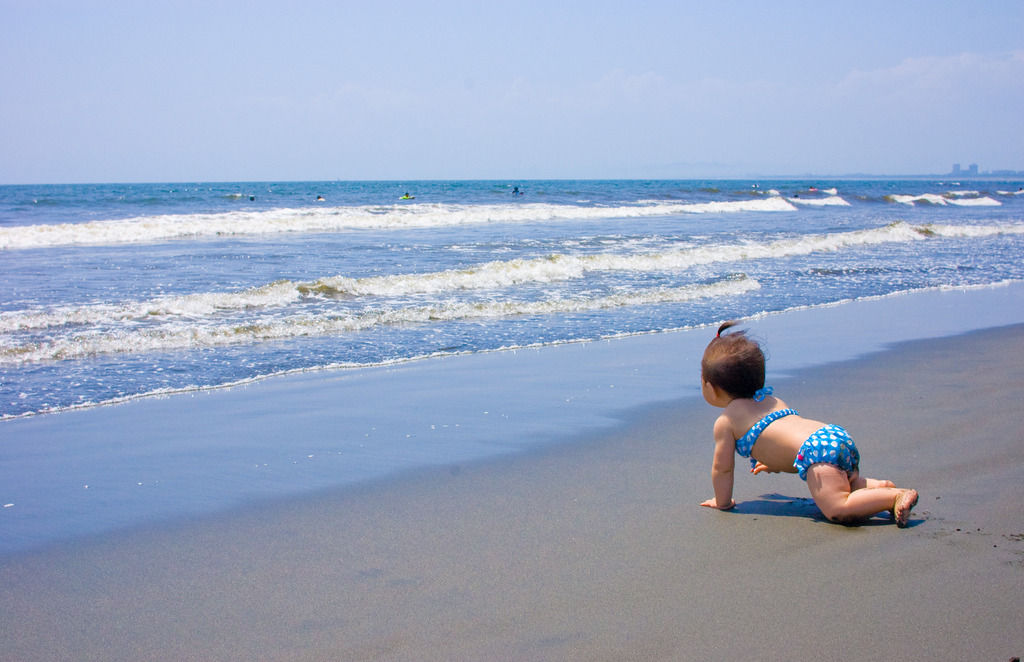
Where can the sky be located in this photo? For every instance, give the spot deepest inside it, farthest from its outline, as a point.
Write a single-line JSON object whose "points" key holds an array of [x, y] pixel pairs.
{"points": [[212, 90]]}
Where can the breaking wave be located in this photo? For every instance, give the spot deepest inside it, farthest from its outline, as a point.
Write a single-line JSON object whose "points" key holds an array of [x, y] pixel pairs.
{"points": [[494, 275], [188, 335], [338, 219]]}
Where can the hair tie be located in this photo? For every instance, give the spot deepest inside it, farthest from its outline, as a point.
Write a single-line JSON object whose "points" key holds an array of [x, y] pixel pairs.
{"points": [[760, 393]]}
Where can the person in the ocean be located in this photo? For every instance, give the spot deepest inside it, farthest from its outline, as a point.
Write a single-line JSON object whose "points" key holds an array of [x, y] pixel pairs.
{"points": [[756, 424]]}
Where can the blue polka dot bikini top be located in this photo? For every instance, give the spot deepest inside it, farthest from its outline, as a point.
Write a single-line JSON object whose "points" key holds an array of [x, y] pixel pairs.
{"points": [[746, 443]]}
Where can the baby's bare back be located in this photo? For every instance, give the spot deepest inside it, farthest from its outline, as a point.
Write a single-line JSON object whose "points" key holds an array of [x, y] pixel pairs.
{"points": [[779, 443]]}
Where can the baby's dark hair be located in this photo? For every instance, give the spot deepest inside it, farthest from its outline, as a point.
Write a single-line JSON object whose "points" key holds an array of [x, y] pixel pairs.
{"points": [[733, 363]]}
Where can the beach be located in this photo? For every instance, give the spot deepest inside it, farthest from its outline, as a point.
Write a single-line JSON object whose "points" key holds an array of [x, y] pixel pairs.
{"points": [[241, 423], [593, 548]]}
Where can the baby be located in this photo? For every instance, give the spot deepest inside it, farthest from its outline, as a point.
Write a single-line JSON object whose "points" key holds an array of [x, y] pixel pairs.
{"points": [[758, 425]]}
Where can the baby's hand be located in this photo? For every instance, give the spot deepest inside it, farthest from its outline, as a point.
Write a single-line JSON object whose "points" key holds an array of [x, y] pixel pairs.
{"points": [[712, 503], [762, 468]]}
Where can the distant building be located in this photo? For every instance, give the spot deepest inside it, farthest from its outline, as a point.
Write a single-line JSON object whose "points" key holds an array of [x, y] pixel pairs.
{"points": [[972, 170]]}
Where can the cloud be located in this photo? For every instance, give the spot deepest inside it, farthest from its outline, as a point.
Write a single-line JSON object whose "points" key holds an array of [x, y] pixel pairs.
{"points": [[999, 74]]}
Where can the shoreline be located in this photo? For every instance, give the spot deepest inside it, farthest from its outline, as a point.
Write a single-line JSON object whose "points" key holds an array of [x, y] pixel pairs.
{"points": [[157, 460], [591, 549], [328, 370]]}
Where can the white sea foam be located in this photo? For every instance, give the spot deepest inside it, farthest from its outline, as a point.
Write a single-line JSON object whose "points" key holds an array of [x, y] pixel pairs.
{"points": [[188, 335], [975, 202], [930, 198], [561, 267], [494, 275], [189, 305], [971, 230], [832, 201], [336, 219], [952, 198]]}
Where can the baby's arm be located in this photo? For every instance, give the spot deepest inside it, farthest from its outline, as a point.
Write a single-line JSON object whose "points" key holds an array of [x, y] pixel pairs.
{"points": [[723, 465]]}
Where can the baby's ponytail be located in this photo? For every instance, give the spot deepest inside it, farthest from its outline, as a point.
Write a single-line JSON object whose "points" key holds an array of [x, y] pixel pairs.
{"points": [[726, 325]]}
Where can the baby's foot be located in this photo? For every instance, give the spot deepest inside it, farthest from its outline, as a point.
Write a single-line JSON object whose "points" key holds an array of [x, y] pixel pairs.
{"points": [[905, 501]]}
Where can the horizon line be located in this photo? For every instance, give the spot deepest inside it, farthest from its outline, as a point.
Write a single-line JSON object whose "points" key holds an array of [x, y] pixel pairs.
{"points": [[982, 176]]}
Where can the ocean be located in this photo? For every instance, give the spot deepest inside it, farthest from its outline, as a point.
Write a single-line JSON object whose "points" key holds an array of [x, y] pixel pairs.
{"points": [[176, 350], [113, 292]]}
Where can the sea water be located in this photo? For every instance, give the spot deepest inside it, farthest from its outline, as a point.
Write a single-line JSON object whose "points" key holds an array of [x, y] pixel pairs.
{"points": [[111, 292], [381, 319]]}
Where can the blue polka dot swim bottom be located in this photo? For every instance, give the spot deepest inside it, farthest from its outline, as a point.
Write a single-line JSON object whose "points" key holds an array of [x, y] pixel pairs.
{"points": [[831, 445]]}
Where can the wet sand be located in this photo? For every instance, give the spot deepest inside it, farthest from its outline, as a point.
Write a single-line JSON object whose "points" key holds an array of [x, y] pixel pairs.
{"points": [[594, 549]]}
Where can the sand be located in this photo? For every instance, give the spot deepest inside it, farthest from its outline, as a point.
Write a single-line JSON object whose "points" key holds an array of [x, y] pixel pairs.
{"points": [[593, 549]]}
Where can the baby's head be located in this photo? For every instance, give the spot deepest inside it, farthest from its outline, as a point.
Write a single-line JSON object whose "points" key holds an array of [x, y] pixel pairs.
{"points": [[733, 363]]}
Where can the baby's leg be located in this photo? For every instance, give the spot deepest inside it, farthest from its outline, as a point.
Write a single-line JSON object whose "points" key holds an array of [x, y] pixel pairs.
{"points": [[843, 500], [860, 483]]}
